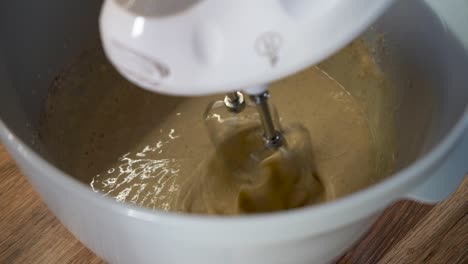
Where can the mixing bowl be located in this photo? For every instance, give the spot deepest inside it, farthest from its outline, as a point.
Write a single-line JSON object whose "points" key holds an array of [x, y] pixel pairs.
{"points": [[425, 54]]}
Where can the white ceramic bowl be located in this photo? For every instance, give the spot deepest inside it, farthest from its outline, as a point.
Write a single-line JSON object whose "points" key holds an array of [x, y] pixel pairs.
{"points": [[428, 42]]}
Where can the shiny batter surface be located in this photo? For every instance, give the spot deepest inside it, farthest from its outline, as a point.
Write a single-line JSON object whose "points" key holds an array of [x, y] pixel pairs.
{"points": [[153, 150]]}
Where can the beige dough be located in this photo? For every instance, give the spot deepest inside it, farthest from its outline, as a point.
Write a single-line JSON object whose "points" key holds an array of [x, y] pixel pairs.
{"points": [[243, 176], [153, 150]]}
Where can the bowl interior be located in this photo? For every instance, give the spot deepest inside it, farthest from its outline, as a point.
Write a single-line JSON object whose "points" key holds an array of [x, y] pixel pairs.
{"points": [[423, 61]]}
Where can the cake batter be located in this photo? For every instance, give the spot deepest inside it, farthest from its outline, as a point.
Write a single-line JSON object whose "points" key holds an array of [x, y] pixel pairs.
{"points": [[153, 150]]}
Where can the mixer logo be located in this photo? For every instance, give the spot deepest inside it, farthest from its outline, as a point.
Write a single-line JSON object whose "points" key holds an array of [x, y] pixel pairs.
{"points": [[268, 44]]}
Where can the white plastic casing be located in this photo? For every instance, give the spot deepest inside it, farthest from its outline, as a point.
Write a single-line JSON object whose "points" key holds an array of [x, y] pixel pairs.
{"points": [[214, 46]]}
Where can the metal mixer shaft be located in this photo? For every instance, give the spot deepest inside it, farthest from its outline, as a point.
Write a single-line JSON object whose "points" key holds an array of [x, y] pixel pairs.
{"points": [[235, 102], [272, 136]]}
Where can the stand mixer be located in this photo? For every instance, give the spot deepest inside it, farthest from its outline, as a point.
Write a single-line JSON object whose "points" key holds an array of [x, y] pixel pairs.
{"points": [[426, 49], [200, 47]]}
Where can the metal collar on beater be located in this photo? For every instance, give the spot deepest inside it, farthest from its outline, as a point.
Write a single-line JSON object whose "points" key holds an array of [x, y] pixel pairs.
{"points": [[234, 102]]}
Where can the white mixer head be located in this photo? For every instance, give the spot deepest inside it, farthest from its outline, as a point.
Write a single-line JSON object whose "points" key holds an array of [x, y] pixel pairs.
{"points": [[197, 47]]}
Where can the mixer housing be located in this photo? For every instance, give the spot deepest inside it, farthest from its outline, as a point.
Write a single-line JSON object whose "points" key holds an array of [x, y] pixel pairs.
{"points": [[198, 47]]}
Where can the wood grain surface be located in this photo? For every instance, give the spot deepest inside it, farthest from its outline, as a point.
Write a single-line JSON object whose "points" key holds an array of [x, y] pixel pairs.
{"points": [[407, 232]]}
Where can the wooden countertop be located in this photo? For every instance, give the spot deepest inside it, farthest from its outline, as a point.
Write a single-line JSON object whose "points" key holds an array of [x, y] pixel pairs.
{"points": [[407, 232]]}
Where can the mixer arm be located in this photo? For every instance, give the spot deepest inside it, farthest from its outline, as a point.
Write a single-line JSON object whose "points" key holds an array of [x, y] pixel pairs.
{"points": [[200, 47]]}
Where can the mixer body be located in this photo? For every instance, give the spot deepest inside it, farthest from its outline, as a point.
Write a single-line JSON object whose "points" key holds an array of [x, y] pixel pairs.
{"points": [[198, 47]]}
